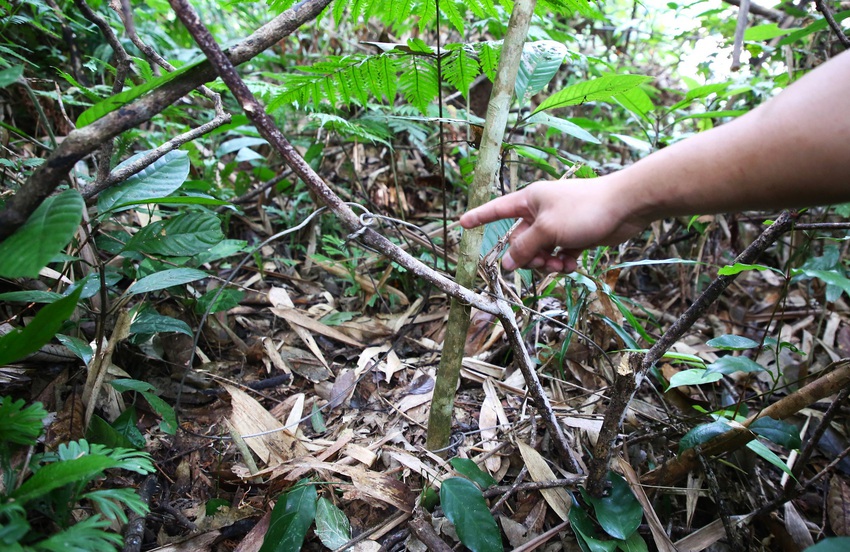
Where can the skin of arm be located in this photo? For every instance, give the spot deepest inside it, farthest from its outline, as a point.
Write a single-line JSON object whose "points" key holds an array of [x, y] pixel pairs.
{"points": [[791, 151]]}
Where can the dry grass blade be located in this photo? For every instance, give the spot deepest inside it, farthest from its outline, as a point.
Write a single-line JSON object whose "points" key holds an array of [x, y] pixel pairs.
{"points": [[662, 541]]}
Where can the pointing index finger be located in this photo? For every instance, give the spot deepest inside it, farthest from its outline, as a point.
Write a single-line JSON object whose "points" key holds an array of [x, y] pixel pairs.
{"points": [[509, 206]]}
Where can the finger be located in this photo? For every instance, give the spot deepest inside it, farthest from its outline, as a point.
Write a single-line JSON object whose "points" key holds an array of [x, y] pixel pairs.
{"points": [[509, 206], [527, 245]]}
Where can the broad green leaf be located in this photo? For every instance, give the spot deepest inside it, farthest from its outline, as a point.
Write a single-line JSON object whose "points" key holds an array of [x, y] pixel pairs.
{"points": [[761, 449], [562, 125], [112, 103], [11, 75], [759, 33], [601, 89], [19, 423], [175, 200], [291, 518], [702, 434], [729, 342], [150, 322], [46, 231], [125, 425], [585, 530], [159, 179], [635, 543], [166, 411], [637, 101], [737, 268], [539, 63], [619, 512], [19, 343], [831, 544], [30, 296], [59, 474], [729, 365], [332, 527], [777, 431], [694, 376], [102, 432], [77, 346], [699, 92], [219, 300], [185, 235], [471, 471], [465, 508], [830, 277], [166, 279]]}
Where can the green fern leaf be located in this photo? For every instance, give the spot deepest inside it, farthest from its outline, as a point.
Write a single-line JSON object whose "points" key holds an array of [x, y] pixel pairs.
{"points": [[449, 9], [488, 55], [427, 12], [338, 11], [401, 10], [419, 83], [569, 7], [482, 8], [461, 69], [381, 74]]}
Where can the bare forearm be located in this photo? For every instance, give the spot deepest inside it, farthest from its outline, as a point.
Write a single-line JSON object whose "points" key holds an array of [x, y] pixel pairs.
{"points": [[793, 151]]}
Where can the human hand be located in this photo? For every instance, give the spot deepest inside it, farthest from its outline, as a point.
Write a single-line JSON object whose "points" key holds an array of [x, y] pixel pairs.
{"points": [[571, 215]]}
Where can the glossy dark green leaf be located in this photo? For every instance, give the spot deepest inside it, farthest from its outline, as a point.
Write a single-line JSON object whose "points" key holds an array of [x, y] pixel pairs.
{"points": [[166, 279], [212, 506], [102, 432], [46, 231], [619, 512], [732, 343], [701, 434], [586, 534], [332, 527], [777, 431], [291, 519], [466, 509], [729, 365], [151, 322], [122, 385], [635, 543], [159, 179], [21, 342], [471, 471], [182, 236]]}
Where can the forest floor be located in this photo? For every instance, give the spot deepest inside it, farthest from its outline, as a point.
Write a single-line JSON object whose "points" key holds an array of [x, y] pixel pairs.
{"points": [[349, 372]]}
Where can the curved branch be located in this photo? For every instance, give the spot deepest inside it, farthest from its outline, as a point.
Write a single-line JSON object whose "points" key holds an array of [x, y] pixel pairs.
{"points": [[84, 141]]}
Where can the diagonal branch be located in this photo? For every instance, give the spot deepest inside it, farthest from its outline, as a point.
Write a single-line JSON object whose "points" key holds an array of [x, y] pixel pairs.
{"points": [[84, 141], [267, 129]]}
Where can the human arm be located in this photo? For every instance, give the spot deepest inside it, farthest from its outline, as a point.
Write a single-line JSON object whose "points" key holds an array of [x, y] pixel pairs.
{"points": [[792, 151]]}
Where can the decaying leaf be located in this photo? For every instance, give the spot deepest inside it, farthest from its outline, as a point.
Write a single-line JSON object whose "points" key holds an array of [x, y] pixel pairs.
{"points": [[250, 418], [557, 498], [838, 506]]}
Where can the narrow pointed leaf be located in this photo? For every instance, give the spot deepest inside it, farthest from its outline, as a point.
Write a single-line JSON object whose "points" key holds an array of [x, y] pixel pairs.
{"points": [[777, 431], [291, 519], [166, 279]]}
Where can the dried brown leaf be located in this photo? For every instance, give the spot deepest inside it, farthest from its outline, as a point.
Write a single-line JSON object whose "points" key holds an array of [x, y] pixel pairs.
{"points": [[662, 541], [838, 506], [539, 470], [796, 527]]}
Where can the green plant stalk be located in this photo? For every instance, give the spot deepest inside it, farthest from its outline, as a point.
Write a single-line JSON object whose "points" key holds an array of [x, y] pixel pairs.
{"points": [[440, 419]]}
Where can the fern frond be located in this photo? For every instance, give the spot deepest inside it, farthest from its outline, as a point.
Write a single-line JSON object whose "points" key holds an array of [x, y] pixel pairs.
{"points": [[461, 69], [449, 9], [427, 12], [380, 73], [488, 56], [419, 83], [401, 10], [568, 7], [370, 130], [482, 8]]}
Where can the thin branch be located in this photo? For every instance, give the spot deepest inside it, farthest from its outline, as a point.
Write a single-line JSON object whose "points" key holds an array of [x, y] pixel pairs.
{"points": [[129, 169], [740, 28], [267, 129], [84, 141], [833, 24]]}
